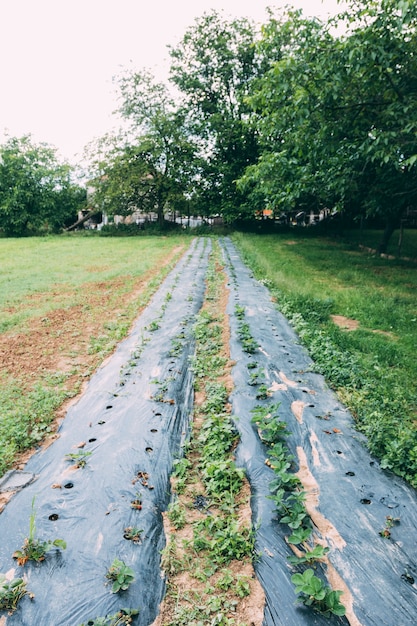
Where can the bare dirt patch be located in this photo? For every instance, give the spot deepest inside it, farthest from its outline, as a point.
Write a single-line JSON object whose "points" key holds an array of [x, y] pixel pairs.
{"points": [[345, 323]]}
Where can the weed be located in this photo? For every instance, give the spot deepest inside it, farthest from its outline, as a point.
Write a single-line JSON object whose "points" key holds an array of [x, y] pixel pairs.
{"points": [[35, 549], [223, 539], [176, 515], [121, 575], [216, 397], [313, 592], [222, 476], [171, 561], [242, 588], [226, 580], [124, 616], [181, 473], [11, 592]]}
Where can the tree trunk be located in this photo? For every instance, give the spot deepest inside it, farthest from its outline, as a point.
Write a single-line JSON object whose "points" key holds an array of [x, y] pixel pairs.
{"points": [[387, 234]]}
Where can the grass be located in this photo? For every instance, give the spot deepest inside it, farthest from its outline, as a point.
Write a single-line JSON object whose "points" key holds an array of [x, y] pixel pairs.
{"points": [[373, 368], [42, 274], [65, 303]]}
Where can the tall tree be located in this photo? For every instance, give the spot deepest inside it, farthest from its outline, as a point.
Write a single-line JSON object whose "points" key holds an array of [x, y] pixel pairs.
{"points": [[150, 167], [337, 114], [37, 191], [213, 67]]}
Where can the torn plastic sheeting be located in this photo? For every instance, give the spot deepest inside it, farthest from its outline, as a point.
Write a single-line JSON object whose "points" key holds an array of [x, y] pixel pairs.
{"points": [[132, 439], [349, 495]]}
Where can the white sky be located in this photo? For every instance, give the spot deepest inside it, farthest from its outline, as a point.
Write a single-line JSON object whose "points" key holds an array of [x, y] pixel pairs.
{"points": [[58, 57]]}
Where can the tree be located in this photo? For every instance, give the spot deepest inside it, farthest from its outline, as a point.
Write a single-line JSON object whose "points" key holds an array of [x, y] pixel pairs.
{"points": [[151, 166], [37, 193], [337, 115], [213, 67]]}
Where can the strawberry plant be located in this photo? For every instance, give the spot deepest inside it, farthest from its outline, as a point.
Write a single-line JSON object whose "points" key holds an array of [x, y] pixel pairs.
{"points": [[35, 549], [11, 592], [121, 575], [313, 592], [124, 616]]}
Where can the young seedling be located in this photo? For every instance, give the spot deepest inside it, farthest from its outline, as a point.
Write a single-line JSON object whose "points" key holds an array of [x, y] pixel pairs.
{"points": [[136, 503], [35, 549], [313, 592], [316, 554], [121, 575], [80, 458], [124, 616], [133, 534], [11, 592], [389, 523], [263, 392]]}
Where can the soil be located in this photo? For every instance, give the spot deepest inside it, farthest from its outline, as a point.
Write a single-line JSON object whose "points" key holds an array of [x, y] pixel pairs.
{"points": [[345, 323]]}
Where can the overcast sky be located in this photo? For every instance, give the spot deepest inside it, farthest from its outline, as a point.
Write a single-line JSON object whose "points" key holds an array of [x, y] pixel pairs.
{"points": [[58, 57]]}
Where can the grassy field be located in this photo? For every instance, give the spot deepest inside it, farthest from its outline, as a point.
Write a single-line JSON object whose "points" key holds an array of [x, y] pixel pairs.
{"points": [[368, 353], [65, 302]]}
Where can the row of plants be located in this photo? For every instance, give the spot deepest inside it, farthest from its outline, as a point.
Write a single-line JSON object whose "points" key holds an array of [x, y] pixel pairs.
{"points": [[288, 495], [286, 489], [121, 575], [373, 369], [206, 536]]}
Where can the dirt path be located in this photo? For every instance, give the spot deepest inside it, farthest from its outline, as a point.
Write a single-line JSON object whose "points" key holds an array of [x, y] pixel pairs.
{"points": [[134, 418]]}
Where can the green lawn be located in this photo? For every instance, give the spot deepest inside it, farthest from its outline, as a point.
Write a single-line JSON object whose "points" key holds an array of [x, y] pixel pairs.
{"points": [[373, 368]]}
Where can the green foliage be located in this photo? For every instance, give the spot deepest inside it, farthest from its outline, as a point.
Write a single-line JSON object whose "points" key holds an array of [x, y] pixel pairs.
{"points": [[213, 67], [11, 592], [315, 554], [37, 194], [224, 539], [80, 458], [249, 344], [299, 536], [373, 368], [157, 165], [176, 514], [314, 593], [124, 616], [271, 429], [121, 575], [336, 114], [35, 549]]}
